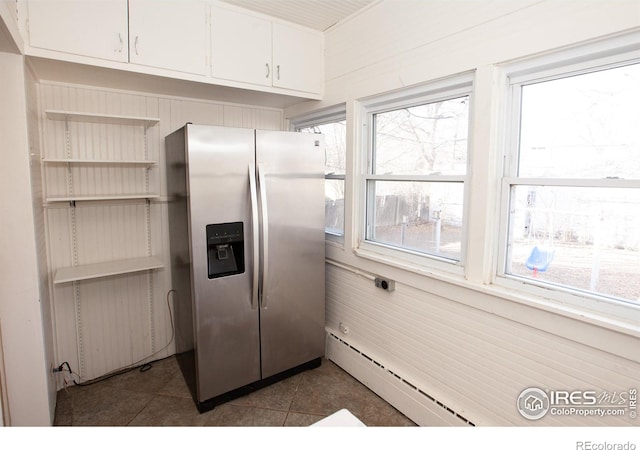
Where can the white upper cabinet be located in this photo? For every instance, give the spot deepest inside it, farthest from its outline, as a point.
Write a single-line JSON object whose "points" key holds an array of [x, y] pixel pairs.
{"points": [[197, 40], [169, 34], [89, 28], [297, 58], [254, 49], [240, 47]]}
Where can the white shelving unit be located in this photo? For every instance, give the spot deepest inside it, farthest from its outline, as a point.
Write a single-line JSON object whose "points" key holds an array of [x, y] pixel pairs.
{"points": [[100, 180], [78, 272]]}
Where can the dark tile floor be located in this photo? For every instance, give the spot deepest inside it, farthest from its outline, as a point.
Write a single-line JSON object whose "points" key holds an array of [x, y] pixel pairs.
{"points": [[160, 397]]}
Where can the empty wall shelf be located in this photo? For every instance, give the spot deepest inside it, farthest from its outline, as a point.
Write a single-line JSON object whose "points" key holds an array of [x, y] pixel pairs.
{"points": [[129, 162], [106, 269], [102, 197], [71, 116], [99, 162]]}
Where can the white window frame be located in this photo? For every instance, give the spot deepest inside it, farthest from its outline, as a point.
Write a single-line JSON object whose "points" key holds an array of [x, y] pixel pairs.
{"points": [[324, 116], [609, 53], [437, 90]]}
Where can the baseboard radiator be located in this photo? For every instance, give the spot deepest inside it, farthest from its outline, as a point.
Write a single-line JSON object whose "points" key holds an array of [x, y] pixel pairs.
{"points": [[417, 405]]}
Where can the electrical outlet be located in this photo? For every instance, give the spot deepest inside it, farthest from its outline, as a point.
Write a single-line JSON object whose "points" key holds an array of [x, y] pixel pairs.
{"points": [[343, 328], [383, 283]]}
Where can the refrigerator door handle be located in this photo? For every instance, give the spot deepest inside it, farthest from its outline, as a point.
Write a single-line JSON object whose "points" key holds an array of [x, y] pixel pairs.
{"points": [[255, 237], [265, 236]]}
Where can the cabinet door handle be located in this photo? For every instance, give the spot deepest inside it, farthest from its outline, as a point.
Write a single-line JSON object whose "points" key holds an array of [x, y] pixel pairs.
{"points": [[278, 71], [135, 45], [268, 71], [121, 43]]}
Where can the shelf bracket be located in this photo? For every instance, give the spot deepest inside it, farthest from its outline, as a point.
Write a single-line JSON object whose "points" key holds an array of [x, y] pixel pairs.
{"points": [[72, 203]]}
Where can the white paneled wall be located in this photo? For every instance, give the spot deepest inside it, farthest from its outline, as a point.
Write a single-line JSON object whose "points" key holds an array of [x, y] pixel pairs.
{"points": [[403, 42], [105, 324], [471, 361]]}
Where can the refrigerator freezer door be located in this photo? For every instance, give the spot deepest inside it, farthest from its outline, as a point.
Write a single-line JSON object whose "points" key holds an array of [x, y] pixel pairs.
{"points": [[292, 181], [226, 327]]}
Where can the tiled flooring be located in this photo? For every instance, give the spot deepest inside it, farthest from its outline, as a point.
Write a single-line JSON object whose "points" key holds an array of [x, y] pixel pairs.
{"points": [[160, 397]]}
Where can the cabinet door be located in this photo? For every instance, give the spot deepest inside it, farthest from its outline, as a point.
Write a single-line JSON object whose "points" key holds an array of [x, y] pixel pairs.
{"points": [[240, 47], [97, 28], [297, 57], [169, 34]]}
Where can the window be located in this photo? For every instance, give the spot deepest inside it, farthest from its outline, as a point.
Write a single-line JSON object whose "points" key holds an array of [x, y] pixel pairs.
{"points": [[332, 125], [572, 179], [416, 170]]}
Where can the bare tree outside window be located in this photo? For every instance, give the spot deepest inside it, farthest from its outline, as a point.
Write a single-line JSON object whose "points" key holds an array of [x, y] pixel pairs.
{"points": [[423, 139], [411, 203]]}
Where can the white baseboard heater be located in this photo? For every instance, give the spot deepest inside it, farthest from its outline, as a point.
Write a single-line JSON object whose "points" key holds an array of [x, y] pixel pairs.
{"points": [[417, 405]]}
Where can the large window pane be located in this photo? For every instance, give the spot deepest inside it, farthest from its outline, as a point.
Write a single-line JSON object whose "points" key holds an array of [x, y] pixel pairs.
{"points": [[584, 126], [422, 140], [335, 169], [416, 172], [424, 217], [582, 238], [334, 206]]}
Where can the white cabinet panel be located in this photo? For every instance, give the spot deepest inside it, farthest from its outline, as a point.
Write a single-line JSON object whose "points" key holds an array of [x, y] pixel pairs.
{"points": [[297, 57], [97, 28], [240, 47], [169, 34], [254, 49]]}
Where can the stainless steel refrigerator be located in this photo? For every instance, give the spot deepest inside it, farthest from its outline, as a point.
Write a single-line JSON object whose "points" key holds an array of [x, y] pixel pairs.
{"points": [[246, 229]]}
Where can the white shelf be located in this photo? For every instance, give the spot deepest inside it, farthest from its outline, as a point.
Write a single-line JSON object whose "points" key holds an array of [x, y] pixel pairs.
{"points": [[99, 162], [100, 118], [88, 198], [106, 269]]}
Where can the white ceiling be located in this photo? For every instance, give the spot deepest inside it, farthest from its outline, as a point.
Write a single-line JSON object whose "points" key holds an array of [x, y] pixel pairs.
{"points": [[316, 14]]}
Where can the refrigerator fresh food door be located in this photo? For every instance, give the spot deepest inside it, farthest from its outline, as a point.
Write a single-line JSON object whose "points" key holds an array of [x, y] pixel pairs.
{"points": [[226, 321], [291, 182]]}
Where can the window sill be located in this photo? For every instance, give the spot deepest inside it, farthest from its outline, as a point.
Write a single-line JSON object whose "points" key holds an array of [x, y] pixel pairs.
{"points": [[442, 269], [334, 237], [622, 318], [551, 311], [610, 333]]}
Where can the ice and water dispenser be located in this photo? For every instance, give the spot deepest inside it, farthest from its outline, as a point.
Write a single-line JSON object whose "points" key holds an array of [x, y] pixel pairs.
{"points": [[225, 249]]}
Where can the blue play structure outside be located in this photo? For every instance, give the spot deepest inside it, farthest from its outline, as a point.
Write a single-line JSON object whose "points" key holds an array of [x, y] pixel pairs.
{"points": [[539, 259]]}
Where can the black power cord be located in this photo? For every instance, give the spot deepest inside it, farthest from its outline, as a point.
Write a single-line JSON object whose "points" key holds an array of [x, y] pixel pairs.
{"points": [[143, 367]]}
